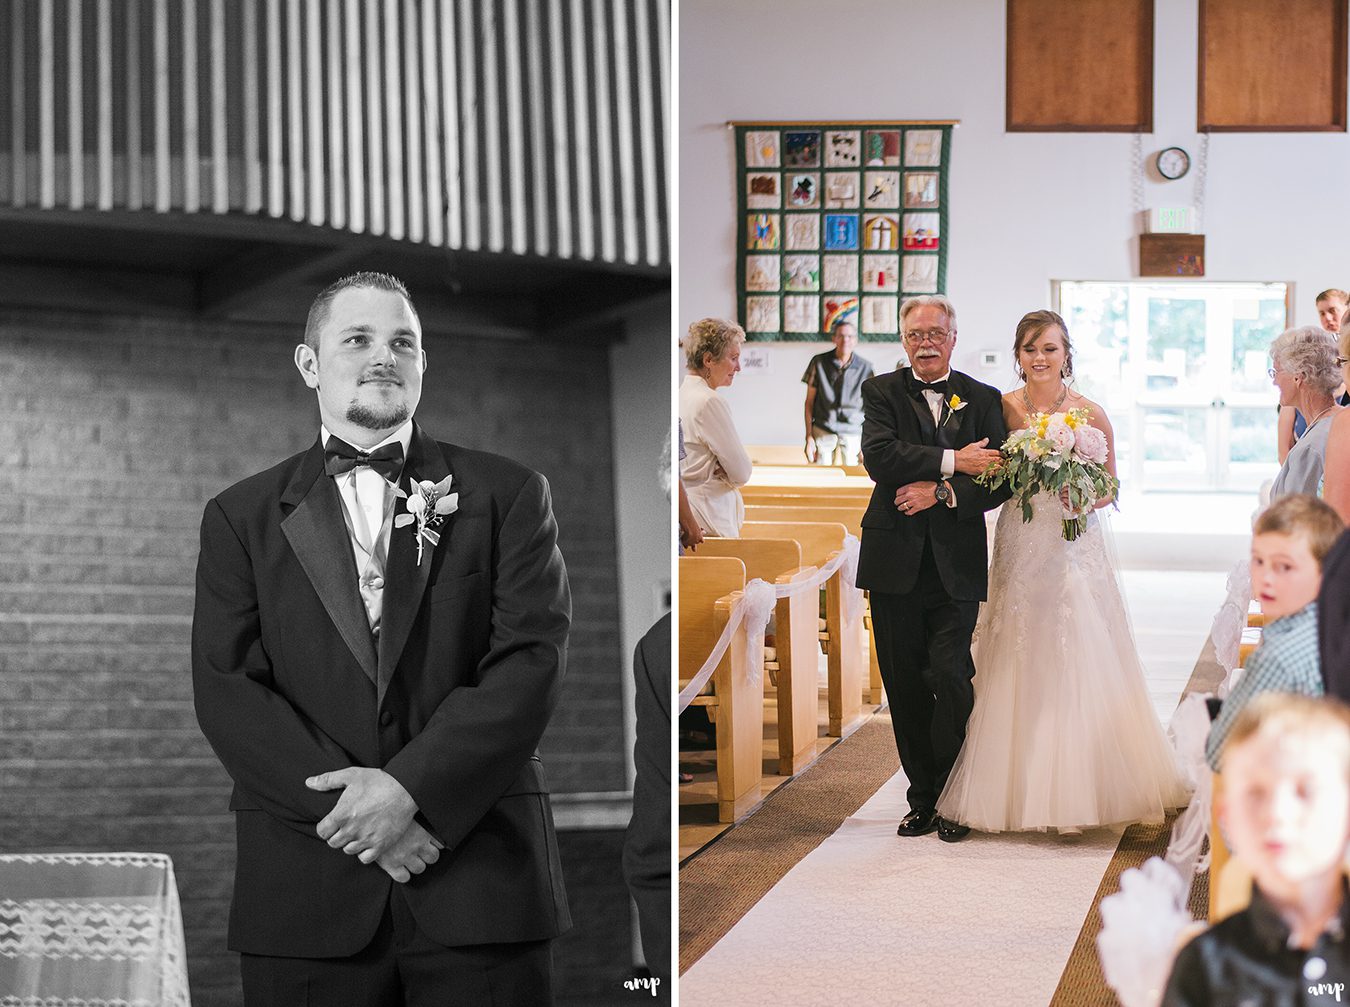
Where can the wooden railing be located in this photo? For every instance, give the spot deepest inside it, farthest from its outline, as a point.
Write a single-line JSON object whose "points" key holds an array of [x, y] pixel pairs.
{"points": [[533, 127]]}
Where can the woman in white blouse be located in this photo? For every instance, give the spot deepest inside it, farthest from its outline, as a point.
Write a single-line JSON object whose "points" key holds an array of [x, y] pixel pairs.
{"points": [[715, 463]]}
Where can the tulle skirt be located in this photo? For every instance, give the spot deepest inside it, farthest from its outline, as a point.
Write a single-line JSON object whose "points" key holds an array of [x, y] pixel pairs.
{"points": [[1063, 734]]}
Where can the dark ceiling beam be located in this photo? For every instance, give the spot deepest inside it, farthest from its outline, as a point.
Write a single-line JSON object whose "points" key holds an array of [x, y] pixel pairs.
{"points": [[599, 304], [84, 288], [252, 276]]}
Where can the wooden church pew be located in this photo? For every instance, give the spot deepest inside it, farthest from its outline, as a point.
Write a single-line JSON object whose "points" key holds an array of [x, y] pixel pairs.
{"points": [[819, 542], [709, 587], [848, 516], [848, 499], [779, 561]]}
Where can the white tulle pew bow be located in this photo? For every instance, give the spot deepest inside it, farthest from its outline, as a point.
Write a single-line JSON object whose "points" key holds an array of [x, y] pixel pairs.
{"points": [[755, 606]]}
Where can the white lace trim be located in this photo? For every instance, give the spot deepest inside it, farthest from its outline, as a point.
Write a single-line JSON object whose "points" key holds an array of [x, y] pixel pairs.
{"points": [[68, 928], [11, 1001], [159, 860], [86, 941]]}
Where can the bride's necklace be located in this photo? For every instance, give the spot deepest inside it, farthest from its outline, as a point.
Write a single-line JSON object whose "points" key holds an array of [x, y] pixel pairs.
{"points": [[1063, 394]]}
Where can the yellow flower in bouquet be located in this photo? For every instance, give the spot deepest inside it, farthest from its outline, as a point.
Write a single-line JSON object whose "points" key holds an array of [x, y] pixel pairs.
{"points": [[1056, 452]]}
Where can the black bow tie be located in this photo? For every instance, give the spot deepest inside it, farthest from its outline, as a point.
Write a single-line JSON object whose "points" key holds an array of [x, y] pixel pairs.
{"points": [[340, 457], [916, 386]]}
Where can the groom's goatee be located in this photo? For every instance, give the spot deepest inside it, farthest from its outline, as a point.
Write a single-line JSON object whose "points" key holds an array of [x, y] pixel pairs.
{"points": [[374, 419]]}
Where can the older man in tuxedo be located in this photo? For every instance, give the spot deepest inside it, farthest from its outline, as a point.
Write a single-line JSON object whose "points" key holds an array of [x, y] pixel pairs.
{"points": [[375, 677], [927, 431]]}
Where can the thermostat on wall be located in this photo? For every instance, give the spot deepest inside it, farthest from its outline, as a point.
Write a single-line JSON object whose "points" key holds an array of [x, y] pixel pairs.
{"points": [[990, 359]]}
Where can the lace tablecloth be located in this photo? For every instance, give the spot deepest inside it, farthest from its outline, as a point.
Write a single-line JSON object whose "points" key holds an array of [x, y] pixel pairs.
{"points": [[91, 930]]}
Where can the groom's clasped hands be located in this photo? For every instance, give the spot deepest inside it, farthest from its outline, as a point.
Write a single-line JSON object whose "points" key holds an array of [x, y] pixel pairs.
{"points": [[373, 821]]}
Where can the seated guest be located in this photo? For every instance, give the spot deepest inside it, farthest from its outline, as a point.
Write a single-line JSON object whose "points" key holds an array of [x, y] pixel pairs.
{"points": [[716, 464], [1336, 484], [1284, 805], [1289, 541], [1306, 374], [1331, 305], [834, 407]]}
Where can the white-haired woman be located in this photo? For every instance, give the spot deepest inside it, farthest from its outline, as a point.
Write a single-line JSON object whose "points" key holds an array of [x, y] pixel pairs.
{"points": [[1306, 374], [716, 464]]}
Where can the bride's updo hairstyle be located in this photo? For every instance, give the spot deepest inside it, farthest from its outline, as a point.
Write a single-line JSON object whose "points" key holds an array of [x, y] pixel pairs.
{"points": [[1033, 323]]}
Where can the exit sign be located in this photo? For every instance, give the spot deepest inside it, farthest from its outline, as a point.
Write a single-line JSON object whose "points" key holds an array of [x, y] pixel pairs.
{"points": [[1171, 220]]}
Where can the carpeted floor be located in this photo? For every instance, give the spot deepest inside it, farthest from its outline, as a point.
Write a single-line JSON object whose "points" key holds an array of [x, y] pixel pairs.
{"points": [[727, 878], [720, 885], [1082, 983]]}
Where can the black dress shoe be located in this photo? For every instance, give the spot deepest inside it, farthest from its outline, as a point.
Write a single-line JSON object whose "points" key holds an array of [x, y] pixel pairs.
{"points": [[951, 832], [918, 822]]}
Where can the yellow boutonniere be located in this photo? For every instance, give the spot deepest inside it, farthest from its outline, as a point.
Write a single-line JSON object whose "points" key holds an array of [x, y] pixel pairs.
{"points": [[955, 402]]}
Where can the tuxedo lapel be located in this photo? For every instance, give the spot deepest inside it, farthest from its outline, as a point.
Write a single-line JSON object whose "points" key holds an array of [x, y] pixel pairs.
{"points": [[920, 406], [318, 535], [405, 579], [953, 418]]}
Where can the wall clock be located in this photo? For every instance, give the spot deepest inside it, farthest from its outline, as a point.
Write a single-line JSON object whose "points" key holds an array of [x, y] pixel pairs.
{"points": [[1173, 163]]}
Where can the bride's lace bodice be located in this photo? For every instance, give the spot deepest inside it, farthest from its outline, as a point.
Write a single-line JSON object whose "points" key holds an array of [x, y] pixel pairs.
{"points": [[1031, 569]]}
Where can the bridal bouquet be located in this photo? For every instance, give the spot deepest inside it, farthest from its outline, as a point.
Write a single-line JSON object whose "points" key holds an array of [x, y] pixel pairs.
{"points": [[1055, 452]]}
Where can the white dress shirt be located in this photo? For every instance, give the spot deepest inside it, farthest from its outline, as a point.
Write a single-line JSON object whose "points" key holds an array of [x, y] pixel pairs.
{"points": [[934, 400], [367, 500], [710, 441]]}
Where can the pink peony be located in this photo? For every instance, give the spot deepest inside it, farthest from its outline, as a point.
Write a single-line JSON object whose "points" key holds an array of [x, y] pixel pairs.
{"points": [[1057, 432], [1091, 444]]}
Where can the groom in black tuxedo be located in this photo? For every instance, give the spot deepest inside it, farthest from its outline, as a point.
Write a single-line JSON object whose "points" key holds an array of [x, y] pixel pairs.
{"points": [[927, 430], [379, 709]]}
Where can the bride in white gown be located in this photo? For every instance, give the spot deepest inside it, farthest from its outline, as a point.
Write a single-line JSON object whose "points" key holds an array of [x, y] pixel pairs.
{"points": [[1063, 734]]}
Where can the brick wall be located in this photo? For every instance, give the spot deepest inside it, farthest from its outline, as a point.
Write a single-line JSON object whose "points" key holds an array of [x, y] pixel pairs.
{"points": [[113, 434]]}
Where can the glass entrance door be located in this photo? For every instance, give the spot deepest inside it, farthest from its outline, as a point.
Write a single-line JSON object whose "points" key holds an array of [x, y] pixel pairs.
{"points": [[1180, 366]]}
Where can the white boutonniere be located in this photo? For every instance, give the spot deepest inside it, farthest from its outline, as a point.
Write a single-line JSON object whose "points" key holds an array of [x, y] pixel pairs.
{"points": [[429, 505]]}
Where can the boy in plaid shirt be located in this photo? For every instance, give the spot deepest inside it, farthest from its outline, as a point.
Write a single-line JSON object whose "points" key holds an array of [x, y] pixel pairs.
{"points": [[1289, 540]]}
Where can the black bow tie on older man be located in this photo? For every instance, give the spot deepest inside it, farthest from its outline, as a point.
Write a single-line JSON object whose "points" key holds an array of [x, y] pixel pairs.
{"points": [[916, 386], [340, 457]]}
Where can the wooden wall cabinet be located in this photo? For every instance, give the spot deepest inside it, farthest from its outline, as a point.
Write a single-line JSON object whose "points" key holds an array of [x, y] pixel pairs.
{"points": [[1081, 66], [1272, 66]]}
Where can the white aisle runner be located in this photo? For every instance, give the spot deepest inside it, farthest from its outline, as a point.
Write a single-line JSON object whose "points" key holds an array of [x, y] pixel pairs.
{"points": [[870, 918]]}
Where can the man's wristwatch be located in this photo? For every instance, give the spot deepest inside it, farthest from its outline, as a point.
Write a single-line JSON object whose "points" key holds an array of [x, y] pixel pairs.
{"points": [[941, 492]]}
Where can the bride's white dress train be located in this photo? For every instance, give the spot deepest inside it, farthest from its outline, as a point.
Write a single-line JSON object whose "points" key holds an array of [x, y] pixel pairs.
{"points": [[1063, 734]]}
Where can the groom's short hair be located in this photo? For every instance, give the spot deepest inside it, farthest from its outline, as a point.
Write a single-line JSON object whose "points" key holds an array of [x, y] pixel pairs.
{"points": [[928, 300], [318, 311]]}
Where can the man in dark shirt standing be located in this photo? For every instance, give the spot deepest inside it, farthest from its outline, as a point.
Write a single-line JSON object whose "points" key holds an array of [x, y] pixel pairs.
{"points": [[834, 407]]}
